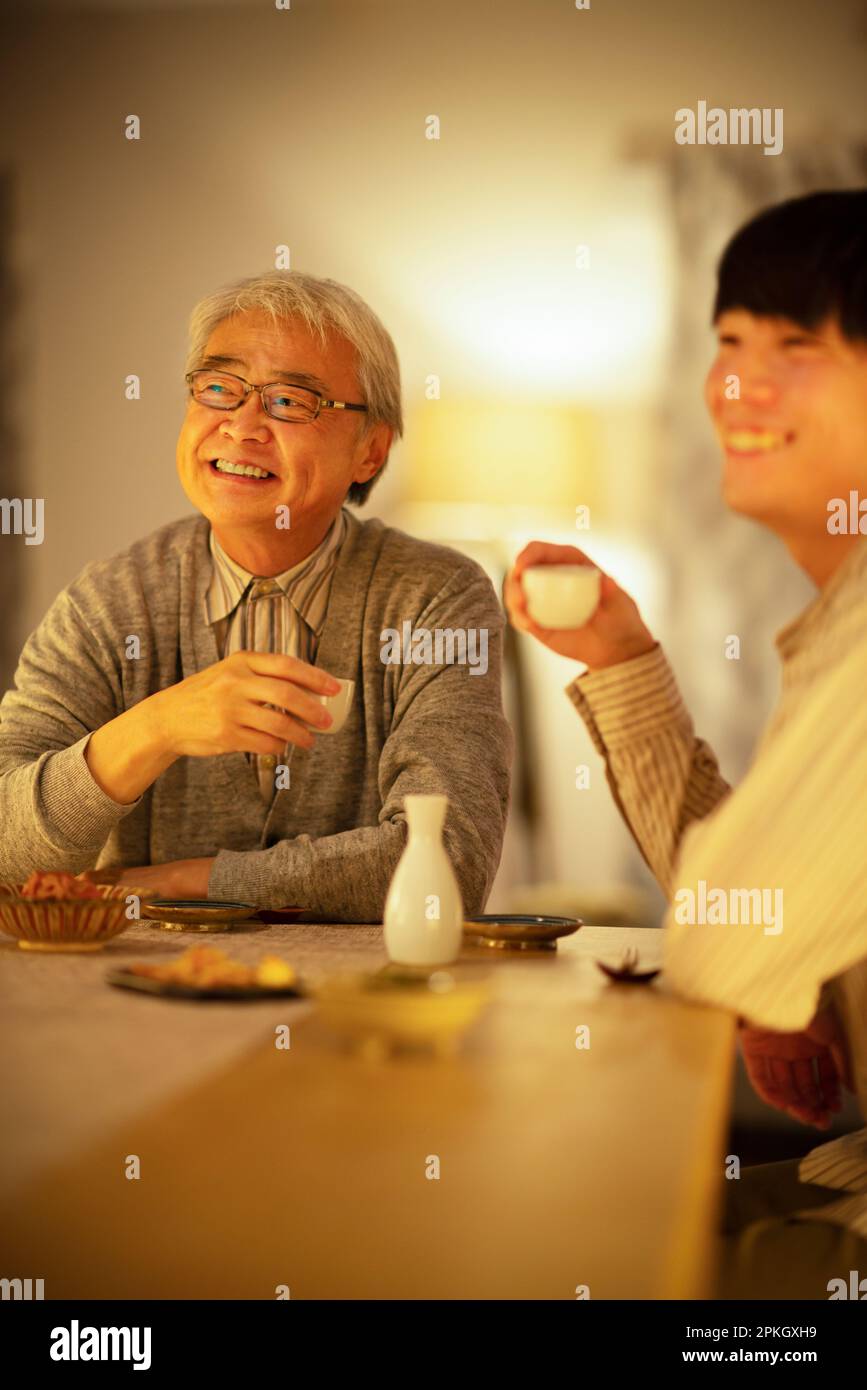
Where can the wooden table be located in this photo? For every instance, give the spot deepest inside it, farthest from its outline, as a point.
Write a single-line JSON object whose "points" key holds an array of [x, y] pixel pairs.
{"points": [[559, 1166]]}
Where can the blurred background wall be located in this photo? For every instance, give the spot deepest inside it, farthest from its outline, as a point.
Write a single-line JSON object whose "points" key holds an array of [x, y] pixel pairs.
{"points": [[545, 267]]}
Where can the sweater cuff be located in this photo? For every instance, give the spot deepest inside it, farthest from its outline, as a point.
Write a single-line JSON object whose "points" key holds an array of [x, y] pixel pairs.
{"points": [[76, 812], [632, 700], [242, 876]]}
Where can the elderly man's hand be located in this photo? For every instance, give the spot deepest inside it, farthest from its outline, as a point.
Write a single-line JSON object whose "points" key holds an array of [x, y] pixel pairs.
{"points": [[183, 878], [250, 702], [799, 1073]]}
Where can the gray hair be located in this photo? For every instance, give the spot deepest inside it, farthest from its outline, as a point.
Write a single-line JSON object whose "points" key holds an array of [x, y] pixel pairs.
{"points": [[323, 305]]}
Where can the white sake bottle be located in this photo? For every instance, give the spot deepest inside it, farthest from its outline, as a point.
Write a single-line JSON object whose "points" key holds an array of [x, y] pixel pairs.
{"points": [[424, 914]]}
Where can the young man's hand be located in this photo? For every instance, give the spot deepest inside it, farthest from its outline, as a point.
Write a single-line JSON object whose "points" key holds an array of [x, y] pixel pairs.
{"points": [[799, 1073], [614, 633]]}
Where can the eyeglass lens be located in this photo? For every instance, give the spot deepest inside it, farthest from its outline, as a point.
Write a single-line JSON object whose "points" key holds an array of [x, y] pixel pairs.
{"points": [[224, 392]]}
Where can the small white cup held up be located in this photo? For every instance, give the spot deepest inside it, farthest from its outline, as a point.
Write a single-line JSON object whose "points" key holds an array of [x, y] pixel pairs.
{"points": [[561, 596]]}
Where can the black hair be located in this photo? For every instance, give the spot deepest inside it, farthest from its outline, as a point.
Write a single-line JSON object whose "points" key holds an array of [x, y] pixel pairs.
{"points": [[804, 260]]}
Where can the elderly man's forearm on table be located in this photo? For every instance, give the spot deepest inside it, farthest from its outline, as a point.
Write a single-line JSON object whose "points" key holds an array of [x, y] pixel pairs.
{"points": [[345, 878]]}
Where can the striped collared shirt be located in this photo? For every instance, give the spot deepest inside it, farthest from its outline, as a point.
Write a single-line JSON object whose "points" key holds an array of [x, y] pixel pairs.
{"points": [[795, 827], [281, 613]]}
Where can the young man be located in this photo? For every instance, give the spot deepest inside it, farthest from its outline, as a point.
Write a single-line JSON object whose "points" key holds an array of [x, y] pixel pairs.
{"points": [[787, 395], [165, 725]]}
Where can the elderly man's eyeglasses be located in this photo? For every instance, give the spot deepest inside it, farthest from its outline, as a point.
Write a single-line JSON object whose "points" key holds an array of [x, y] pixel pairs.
{"points": [[295, 404]]}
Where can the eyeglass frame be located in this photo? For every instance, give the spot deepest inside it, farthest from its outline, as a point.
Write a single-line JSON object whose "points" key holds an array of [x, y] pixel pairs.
{"points": [[249, 386]]}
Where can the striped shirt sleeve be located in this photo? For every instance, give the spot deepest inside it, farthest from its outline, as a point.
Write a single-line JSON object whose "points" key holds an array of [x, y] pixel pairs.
{"points": [[795, 829], [662, 777]]}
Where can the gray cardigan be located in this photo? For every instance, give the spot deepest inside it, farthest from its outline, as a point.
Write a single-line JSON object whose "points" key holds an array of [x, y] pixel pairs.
{"points": [[332, 839]]}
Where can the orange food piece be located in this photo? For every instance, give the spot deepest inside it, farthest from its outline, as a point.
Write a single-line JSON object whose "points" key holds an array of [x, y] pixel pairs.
{"points": [[58, 884], [274, 972]]}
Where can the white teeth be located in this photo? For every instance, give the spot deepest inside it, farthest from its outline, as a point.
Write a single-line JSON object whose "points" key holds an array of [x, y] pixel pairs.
{"points": [[245, 470], [754, 441]]}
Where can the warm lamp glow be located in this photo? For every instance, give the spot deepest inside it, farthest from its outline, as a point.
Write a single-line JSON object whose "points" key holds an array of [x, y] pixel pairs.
{"points": [[509, 453]]}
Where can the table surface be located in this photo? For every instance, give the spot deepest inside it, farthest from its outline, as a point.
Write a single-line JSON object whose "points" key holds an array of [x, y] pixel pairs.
{"points": [[559, 1166]]}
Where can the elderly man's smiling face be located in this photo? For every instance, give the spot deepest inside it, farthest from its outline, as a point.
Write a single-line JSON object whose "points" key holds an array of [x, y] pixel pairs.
{"points": [[311, 466]]}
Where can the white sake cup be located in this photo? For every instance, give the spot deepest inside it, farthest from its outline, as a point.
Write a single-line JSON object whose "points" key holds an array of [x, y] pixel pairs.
{"points": [[561, 596], [338, 707]]}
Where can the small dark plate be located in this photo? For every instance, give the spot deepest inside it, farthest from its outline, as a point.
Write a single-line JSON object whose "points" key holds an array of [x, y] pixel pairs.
{"points": [[519, 931], [211, 914], [196, 911], [128, 979], [197, 914]]}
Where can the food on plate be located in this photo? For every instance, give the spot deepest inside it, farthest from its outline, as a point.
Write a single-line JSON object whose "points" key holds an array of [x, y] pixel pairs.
{"points": [[53, 885], [207, 967], [274, 973]]}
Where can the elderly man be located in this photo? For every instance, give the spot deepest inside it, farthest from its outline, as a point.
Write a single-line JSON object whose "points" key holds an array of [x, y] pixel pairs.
{"points": [[166, 720]]}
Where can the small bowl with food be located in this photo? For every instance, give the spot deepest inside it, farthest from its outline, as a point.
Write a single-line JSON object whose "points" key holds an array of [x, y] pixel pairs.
{"points": [[59, 912]]}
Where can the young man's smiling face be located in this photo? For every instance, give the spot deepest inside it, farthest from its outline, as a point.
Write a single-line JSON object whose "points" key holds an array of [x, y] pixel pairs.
{"points": [[310, 466], [796, 436]]}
